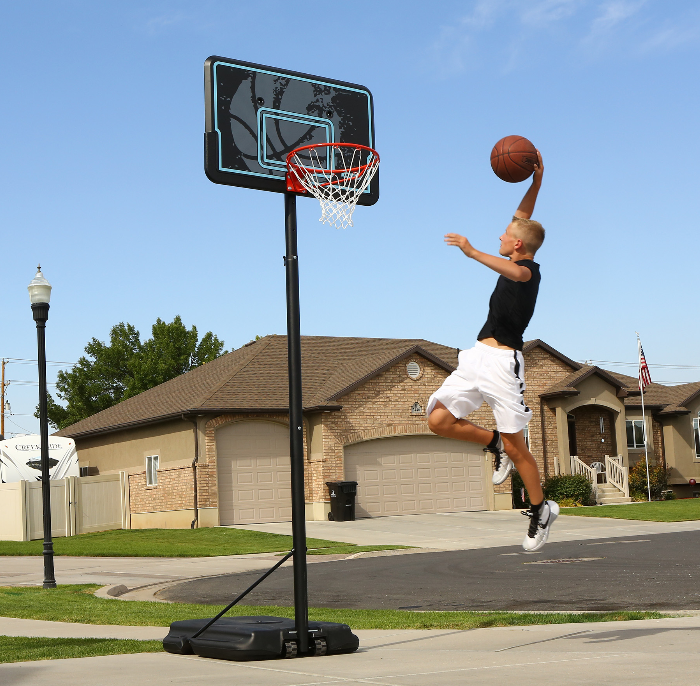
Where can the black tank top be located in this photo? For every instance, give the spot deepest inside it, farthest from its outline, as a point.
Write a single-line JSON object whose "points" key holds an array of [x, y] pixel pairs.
{"points": [[511, 307]]}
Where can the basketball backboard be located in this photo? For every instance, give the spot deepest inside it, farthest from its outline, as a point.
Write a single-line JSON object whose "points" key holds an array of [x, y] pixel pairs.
{"points": [[256, 115]]}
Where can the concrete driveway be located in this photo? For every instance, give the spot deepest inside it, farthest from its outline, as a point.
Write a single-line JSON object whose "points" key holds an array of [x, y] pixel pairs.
{"points": [[469, 530]]}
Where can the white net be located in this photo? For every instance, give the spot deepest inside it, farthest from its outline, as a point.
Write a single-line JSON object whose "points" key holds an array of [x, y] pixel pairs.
{"points": [[335, 174]]}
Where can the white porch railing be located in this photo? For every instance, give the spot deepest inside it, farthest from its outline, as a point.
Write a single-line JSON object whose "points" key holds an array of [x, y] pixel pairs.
{"points": [[617, 474], [580, 467]]}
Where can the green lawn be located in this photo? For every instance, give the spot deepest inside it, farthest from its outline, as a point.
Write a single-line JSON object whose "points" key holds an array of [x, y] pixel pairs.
{"points": [[210, 542], [662, 511], [78, 604], [23, 649]]}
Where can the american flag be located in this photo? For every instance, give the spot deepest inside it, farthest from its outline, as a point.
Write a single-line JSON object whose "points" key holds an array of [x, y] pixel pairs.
{"points": [[644, 375]]}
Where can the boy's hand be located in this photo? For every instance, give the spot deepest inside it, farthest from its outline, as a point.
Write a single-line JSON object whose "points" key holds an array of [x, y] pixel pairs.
{"points": [[527, 205], [539, 169], [461, 242]]}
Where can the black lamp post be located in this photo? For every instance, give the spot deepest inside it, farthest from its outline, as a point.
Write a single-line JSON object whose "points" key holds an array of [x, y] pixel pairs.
{"points": [[39, 295]]}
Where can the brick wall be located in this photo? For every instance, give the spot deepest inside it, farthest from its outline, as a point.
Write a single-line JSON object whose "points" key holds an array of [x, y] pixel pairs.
{"points": [[658, 442], [174, 491], [589, 446], [543, 370]]}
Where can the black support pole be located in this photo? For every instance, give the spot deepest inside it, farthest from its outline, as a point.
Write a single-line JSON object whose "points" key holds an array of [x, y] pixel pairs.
{"points": [[296, 426], [41, 314]]}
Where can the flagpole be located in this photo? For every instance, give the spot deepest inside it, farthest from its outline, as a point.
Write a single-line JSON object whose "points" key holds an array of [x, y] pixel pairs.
{"points": [[644, 419]]}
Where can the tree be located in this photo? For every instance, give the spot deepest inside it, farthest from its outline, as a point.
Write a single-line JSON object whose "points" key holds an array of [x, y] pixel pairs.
{"points": [[124, 367]]}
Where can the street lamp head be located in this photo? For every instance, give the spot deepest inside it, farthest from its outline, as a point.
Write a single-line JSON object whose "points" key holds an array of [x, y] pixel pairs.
{"points": [[39, 289]]}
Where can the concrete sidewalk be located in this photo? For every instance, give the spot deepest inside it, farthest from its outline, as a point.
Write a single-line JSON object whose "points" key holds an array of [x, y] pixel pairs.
{"points": [[10, 626], [620, 653], [133, 572]]}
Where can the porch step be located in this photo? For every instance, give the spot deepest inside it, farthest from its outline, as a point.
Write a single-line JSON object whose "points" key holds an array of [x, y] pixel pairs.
{"points": [[609, 495], [616, 500]]}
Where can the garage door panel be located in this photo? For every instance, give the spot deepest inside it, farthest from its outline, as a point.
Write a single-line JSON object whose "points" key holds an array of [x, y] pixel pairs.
{"points": [[435, 475], [254, 473]]}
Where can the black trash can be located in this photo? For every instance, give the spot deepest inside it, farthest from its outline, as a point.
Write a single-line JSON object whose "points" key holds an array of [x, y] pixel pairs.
{"points": [[342, 500]]}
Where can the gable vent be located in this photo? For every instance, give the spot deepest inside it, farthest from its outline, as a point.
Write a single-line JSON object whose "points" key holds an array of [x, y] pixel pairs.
{"points": [[413, 370]]}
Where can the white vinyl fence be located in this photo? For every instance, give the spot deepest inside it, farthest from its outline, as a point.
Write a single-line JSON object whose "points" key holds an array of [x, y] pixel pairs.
{"points": [[79, 504]]}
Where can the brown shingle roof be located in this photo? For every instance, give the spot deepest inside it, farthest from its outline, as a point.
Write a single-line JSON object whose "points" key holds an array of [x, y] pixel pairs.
{"points": [[567, 386], [254, 378], [673, 399], [538, 343]]}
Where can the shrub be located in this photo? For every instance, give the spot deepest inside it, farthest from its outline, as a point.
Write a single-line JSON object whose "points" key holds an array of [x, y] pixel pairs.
{"points": [[572, 490], [658, 480], [518, 491], [569, 487]]}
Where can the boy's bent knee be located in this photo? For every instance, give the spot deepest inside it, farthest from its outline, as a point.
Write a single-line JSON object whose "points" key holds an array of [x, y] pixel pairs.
{"points": [[440, 419]]}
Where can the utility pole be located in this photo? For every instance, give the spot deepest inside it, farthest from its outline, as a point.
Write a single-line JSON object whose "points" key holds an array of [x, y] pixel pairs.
{"points": [[2, 402]]}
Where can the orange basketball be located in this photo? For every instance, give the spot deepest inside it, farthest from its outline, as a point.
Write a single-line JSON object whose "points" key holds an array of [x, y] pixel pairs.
{"points": [[513, 159]]}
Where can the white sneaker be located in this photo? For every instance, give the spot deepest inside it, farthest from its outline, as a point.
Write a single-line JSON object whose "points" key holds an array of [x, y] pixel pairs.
{"points": [[538, 531], [502, 464]]}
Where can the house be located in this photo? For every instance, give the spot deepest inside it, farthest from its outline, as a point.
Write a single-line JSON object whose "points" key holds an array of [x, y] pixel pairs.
{"points": [[211, 447]]}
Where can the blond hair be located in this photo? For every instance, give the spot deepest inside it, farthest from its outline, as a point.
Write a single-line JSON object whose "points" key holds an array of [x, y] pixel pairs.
{"points": [[530, 232]]}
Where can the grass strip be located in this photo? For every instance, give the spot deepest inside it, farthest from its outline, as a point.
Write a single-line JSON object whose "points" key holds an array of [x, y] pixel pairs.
{"points": [[660, 511], [76, 603], [29, 649], [209, 542]]}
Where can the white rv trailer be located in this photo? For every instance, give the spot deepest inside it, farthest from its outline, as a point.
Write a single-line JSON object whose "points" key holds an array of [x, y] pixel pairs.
{"points": [[20, 458]]}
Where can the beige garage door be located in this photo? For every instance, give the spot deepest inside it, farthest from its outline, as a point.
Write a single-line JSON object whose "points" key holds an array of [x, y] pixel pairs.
{"points": [[416, 474], [254, 476]]}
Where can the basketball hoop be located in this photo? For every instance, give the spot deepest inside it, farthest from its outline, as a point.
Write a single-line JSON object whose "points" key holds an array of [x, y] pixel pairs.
{"points": [[336, 174]]}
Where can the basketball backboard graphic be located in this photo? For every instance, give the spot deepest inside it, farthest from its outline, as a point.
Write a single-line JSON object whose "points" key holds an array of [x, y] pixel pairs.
{"points": [[256, 115]]}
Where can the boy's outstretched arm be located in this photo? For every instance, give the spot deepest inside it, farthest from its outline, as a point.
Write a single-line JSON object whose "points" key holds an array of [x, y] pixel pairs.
{"points": [[527, 205], [501, 265]]}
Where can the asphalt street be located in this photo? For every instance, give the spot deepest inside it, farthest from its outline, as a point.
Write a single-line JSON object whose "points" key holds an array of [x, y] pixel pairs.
{"points": [[649, 572]]}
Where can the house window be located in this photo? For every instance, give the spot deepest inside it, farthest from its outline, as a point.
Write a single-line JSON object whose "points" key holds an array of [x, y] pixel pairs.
{"points": [[526, 434], [152, 470], [696, 435], [635, 433]]}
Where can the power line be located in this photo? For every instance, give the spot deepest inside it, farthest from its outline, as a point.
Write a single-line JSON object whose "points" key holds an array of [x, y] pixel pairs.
{"points": [[636, 364], [23, 360], [17, 382], [17, 425]]}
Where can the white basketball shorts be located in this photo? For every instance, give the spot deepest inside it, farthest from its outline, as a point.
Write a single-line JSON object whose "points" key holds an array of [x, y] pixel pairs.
{"points": [[488, 374]]}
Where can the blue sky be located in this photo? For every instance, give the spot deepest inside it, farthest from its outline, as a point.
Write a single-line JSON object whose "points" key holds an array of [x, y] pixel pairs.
{"points": [[101, 179]]}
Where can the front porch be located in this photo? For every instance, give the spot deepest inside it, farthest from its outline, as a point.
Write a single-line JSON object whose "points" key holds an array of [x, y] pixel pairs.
{"points": [[591, 437], [609, 479]]}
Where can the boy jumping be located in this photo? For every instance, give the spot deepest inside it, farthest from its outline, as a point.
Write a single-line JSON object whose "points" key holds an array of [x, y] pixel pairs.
{"points": [[493, 370]]}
